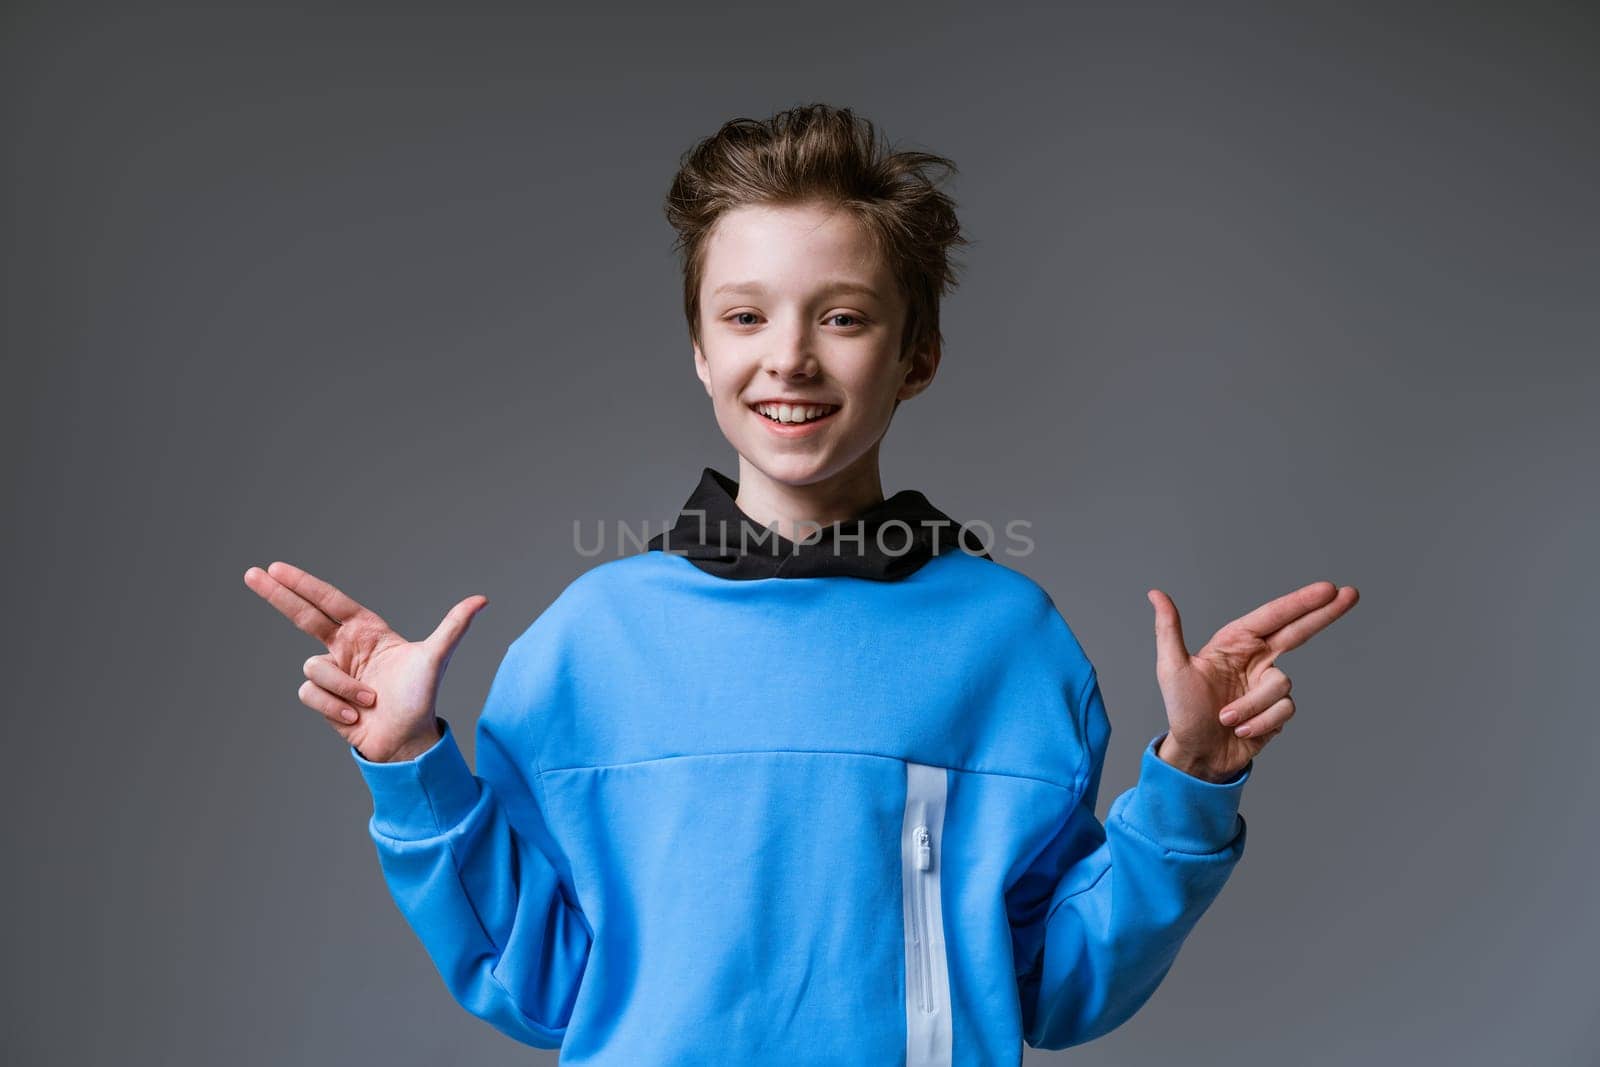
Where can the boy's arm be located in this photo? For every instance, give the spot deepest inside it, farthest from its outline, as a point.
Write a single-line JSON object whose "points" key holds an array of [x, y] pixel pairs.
{"points": [[1098, 918], [466, 861]]}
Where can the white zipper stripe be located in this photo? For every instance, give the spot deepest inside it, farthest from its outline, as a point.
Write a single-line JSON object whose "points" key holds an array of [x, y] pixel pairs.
{"points": [[928, 1030]]}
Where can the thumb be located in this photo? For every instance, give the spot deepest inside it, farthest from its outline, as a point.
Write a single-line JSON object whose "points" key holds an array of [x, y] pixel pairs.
{"points": [[450, 630], [1171, 653]]}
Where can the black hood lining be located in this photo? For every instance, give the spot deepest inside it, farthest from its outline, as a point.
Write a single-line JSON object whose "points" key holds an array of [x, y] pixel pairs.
{"points": [[708, 529]]}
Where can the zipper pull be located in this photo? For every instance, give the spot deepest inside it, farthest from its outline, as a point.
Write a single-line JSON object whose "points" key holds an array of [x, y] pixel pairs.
{"points": [[924, 849]]}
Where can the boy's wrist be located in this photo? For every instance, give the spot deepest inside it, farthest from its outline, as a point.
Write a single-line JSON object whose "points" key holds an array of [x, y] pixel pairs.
{"points": [[1189, 763], [411, 748]]}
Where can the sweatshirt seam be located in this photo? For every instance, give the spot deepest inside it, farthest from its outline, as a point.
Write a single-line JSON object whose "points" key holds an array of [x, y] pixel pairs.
{"points": [[805, 752], [1218, 851], [548, 813]]}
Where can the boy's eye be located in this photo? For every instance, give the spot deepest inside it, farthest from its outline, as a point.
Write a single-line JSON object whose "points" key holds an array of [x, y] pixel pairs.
{"points": [[746, 318]]}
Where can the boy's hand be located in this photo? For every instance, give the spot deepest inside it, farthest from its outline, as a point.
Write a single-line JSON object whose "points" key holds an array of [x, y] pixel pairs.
{"points": [[366, 656], [1225, 702]]}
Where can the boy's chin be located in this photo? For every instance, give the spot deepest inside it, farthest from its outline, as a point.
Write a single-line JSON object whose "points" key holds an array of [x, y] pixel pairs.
{"points": [[788, 473], [793, 470]]}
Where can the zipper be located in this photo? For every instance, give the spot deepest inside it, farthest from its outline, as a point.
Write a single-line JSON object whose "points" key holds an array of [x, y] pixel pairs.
{"points": [[928, 1024], [923, 932]]}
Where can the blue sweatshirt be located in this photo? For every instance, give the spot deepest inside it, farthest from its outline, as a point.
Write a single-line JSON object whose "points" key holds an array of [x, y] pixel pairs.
{"points": [[825, 803]]}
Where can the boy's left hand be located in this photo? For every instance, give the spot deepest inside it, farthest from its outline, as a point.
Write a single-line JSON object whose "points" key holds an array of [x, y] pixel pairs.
{"points": [[1231, 682]]}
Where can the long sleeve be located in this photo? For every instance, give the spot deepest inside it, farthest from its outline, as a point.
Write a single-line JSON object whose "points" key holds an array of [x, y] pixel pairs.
{"points": [[1100, 915], [468, 861]]}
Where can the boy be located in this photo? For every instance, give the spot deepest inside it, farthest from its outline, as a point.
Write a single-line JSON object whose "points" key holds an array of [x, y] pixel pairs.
{"points": [[812, 779]]}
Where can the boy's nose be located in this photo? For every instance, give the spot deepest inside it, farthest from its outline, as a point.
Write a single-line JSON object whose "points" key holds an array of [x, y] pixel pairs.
{"points": [[791, 355]]}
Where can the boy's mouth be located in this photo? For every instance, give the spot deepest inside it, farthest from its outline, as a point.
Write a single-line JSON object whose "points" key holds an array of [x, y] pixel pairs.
{"points": [[787, 415]]}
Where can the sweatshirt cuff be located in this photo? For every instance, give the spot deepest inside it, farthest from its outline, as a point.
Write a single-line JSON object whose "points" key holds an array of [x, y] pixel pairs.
{"points": [[1181, 812], [421, 797]]}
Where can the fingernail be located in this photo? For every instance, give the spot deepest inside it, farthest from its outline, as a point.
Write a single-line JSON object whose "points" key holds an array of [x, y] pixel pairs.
{"points": [[348, 715], [1230, 716], [1241, 731], [367, 697]]}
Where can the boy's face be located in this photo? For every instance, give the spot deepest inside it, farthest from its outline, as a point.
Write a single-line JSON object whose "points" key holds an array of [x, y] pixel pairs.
{"points": [[778, 323]]}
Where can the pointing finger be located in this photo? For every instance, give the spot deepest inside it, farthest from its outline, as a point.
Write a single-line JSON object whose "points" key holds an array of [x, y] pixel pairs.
{"points": [[305, 615], [1275, 614], [330, 600], [1304, 628]]}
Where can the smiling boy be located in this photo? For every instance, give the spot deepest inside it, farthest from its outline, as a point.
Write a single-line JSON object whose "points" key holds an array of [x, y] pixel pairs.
{"points": [[801, 311], [825, 798]]}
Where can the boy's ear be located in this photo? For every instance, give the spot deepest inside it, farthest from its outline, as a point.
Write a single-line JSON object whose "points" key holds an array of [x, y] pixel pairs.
{"points": [[921, 367], [702, 370]]}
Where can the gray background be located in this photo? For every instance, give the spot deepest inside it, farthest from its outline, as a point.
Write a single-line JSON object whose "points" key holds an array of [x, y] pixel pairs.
{"points": [[1256, 297]]}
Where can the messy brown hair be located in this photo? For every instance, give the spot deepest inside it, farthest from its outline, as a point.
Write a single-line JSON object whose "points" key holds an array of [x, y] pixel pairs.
{"points": [[816, 152]]}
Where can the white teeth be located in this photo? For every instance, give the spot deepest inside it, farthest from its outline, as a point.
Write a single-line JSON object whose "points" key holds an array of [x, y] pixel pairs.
{"points": [[793, 413]]}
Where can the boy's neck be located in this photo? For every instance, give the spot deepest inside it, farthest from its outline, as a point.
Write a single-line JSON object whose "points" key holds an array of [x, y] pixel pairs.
{"points": [[794, 507]]}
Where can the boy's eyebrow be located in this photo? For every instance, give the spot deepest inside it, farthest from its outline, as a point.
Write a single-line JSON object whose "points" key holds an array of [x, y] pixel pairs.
{"points": [[839, 285]]}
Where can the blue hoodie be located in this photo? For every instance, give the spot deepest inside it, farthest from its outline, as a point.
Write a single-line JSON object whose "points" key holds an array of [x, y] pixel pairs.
{"points": [[804, 803]]}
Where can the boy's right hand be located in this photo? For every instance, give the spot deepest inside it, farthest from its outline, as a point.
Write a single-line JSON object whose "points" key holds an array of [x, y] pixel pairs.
{"points": [[366, 655]]}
